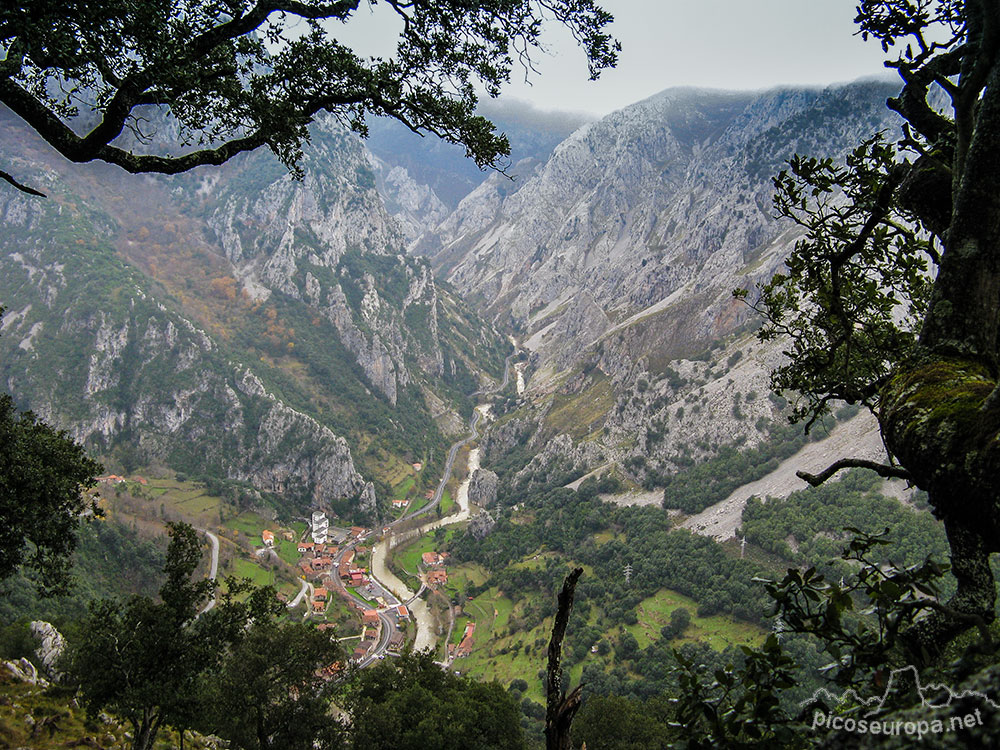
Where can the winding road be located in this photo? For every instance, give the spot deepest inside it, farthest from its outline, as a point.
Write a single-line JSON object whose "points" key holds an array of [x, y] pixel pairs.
{"points": [[213, 570], [298, 597], [396, 591]]}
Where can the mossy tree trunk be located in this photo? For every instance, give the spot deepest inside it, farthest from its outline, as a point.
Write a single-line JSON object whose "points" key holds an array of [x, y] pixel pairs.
{"points": [[940, 412]]}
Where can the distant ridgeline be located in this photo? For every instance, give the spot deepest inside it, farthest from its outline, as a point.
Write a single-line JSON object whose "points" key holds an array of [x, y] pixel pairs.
{"points": [[235, 325]]}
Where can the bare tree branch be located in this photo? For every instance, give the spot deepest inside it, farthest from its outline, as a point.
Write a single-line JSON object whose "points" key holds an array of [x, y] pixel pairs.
{"points": [[23, 188], [883, 470]]}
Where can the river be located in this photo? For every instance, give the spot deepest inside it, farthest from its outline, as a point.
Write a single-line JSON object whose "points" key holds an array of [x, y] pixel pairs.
{"points": [[427, 632]]}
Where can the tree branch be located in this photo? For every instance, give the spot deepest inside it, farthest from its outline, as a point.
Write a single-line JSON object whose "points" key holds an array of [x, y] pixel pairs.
{"points": [[23, 188], [883, 470]]}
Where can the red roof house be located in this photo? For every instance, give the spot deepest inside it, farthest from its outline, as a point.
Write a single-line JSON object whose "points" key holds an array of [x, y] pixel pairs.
{"points": [[437, 576], [430, 558]]}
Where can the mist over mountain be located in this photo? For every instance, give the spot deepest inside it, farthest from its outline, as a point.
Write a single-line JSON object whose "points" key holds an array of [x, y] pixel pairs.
{"points": [[444, 167], [610, 256], [613, 261]]}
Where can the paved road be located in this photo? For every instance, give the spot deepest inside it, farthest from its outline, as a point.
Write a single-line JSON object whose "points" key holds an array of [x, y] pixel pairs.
{"points": [[214, 568], [503, 383], [417, 606], [448, 466], [385, 616], [298, 597]]}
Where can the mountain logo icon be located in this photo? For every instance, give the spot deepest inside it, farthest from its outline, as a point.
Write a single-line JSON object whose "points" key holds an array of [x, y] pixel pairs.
{"points": [[933, 696]]}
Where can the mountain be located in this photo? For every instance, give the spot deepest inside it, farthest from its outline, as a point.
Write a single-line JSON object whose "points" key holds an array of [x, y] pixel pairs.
{"points": [[614, 262], [233, 323], [315, 338], [423, 178]]}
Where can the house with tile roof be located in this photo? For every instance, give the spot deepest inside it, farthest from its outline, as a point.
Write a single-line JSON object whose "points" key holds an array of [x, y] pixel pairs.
{"points": [[435, 577]]}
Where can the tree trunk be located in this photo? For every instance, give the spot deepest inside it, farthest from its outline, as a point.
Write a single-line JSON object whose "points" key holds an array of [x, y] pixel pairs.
{"points": [[941, 419], [940, 412], [146, 731], [560, 708], [973, 604], [964, 316]]}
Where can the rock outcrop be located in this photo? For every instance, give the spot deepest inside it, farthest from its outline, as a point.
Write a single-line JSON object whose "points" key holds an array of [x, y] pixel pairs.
{"points": [[481, 525], [51, 645], [615, 261], [483, 488], [23, 670], [141, 308]]}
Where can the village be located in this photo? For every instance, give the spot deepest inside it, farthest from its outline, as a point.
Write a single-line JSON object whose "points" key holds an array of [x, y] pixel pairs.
{"points": [[320, 570], [334, 570]]}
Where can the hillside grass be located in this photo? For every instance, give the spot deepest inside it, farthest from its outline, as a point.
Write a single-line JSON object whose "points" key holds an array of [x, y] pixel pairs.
{"points": [[243, 568], [718, 631], [498, 653], [250, 525], [582, 414], [172, 498], [406, 558], [447, 503], [508, 656], [59, 721]]}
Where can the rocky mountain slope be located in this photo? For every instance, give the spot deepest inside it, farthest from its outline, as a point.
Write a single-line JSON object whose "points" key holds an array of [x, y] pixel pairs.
{"points": [[236, 323], [614, 263], [422, 179], [233, 323]]}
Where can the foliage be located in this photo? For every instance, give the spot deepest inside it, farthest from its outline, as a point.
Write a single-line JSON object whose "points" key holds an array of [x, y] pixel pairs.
{"points": [[888, 600], [680, 618], [856, 286], [741, 707], [110, 560], [749, 697], [695, 488], [141, 659], [248, 74], [41, 496], [892, 298], [270, 691], [814, 519], [410, 703], [617, 723], [565, 523]]}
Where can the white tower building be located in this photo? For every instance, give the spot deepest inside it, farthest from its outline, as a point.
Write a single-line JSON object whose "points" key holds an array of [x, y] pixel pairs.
{"points": [[320, 526]]}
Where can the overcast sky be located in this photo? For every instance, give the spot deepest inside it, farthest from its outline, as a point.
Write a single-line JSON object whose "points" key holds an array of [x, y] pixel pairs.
{"points": [[732, 44]]}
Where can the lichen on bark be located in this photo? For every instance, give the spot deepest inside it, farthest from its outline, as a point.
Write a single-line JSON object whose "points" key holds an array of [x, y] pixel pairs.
{"points": [[938, 419]]}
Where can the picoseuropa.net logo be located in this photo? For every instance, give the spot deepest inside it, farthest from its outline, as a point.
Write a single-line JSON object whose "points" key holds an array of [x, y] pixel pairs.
{"points": [[935, 698]]}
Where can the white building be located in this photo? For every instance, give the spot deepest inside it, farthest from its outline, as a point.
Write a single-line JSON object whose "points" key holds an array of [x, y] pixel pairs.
{"points": [[320, 526]]}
